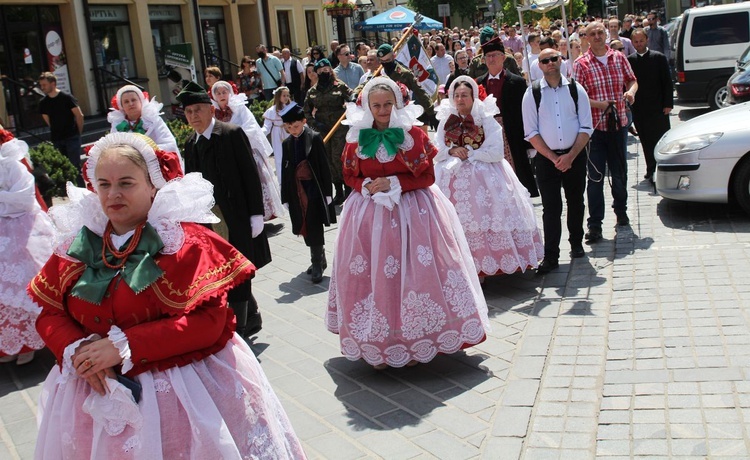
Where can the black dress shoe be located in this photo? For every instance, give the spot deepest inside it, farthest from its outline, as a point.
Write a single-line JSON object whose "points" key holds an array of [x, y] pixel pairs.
{"points": [[593, 235], [253, 326], [649, 176], [546, 266], [576, 252], [623, 220]]}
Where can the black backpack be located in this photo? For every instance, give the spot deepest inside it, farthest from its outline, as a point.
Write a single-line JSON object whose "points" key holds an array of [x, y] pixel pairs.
{"points": [[536, 90]]}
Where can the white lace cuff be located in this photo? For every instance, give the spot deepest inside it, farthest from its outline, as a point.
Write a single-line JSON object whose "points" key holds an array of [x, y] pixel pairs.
{"points": [[365, 193], [390, 198], [120, 341], [67, 370]]}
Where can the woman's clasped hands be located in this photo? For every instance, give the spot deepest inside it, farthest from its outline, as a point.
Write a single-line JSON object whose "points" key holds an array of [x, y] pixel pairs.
{"points": [[94, 361]]}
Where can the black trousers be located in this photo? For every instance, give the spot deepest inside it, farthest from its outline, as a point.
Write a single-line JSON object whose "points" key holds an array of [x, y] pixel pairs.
{"points": [[314, 222], [650, 129], [549, 180]]}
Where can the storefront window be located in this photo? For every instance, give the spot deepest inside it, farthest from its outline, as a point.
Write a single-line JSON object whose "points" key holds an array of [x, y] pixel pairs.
{"points": [[166, 29], [113, 46], [215, 38]]}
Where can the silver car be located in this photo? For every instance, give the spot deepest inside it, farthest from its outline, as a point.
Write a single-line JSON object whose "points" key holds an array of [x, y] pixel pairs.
{"points": [[707, 159]]}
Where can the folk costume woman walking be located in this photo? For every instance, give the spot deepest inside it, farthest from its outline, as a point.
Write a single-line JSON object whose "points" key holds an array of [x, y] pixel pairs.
{"points": [[231, 108], [134, 307], [404, 287], [26, 235], [493, 206], [133, 112]]}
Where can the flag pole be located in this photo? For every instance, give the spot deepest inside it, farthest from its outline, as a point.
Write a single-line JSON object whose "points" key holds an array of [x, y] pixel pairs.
{"points": [[399, 44]]}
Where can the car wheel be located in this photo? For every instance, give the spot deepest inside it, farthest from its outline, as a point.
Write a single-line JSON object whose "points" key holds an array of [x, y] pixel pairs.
{"points": [[717, 97], [741, 185]]}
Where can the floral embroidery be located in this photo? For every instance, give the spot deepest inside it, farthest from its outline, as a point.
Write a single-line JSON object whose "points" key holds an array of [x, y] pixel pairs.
{"points": [[424, 255], [162, 386], [420, 316], [457, 292], [133, 442], [368, 324], [391, 267], [358, 265]]}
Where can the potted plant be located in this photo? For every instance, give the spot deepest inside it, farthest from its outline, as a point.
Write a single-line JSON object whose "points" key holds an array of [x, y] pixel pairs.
{"points": [[339, 8]]}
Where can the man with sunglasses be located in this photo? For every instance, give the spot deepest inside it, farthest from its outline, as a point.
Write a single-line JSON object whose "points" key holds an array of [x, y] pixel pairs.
{"points": [[604, 73], [559, 128], [347, 71]]}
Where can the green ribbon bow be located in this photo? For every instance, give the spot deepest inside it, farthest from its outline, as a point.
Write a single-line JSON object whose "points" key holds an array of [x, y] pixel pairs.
{"points": [[139, 271], [370, 140], [126, 127]]}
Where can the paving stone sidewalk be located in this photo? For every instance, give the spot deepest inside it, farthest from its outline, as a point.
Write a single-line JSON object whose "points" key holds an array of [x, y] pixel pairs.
{"points": [[638, 349]]}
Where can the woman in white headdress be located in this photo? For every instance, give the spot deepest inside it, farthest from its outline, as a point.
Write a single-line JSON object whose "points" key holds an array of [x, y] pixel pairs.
{"points": [[404, 287], [133, 112], [495, 210], [231, 108], [26, 236]]}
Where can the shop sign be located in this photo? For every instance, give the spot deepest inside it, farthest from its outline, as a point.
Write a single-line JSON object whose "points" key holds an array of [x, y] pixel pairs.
{"points": [[108, 13], [212, 13], [56, 60], [164, 13], [180, 57]]}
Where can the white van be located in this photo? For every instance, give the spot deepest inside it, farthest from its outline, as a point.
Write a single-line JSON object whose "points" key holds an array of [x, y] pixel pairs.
{"points": [[709, 41]]}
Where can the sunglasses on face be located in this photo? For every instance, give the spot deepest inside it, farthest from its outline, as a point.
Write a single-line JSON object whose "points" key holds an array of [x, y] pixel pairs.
{"points": [[618, 49], [581, 35], [346, 54], [549, 59]]}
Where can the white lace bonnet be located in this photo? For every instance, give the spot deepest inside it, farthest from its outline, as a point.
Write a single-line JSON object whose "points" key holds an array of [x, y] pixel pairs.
{"points": [[14, 150], [143, 144], [128, 89], [360, 117], [479, 109]]}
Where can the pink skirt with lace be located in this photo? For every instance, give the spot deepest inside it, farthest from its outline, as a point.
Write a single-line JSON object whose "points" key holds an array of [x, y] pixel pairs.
{"points": [[25, 245], [496, 214], [404, 286], [219, 407]]}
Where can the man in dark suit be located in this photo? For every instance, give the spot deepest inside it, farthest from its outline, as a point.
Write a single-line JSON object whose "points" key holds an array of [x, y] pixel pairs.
{"points": [[222, 153], [508, 89], [655, 99]]}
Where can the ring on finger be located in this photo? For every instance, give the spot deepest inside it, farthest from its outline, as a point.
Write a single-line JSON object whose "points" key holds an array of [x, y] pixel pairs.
{"points": [[88, 363]]}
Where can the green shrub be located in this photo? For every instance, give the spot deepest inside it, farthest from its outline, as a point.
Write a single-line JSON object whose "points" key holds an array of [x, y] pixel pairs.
{"points": [[258, 108], [181, 131], [57, 165]]}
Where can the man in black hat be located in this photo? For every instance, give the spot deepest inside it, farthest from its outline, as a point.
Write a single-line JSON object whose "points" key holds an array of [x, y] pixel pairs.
{"points": [[478, 67], [222, 153], [306, 186], [508, 90]]}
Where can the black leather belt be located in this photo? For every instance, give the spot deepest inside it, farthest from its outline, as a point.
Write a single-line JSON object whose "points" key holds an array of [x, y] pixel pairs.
{"points": [[562, 152]]}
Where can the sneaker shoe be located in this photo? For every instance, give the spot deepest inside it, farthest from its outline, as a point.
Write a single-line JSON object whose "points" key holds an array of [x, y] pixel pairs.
{"points": [[593, 235], [546, 266]]}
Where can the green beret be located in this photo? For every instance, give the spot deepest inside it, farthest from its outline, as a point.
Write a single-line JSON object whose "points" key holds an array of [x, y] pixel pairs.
{"points": [[193, 93], [486, 34], [322, 63], [384, 49]]}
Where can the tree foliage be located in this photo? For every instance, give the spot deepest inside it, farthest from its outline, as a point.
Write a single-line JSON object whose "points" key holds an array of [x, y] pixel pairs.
{"points": [[465, 9], [510, 13]]}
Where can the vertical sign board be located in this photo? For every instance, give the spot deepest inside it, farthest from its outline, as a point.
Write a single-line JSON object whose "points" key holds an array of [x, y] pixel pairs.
{"points": [[56, 61], [179, 59]]}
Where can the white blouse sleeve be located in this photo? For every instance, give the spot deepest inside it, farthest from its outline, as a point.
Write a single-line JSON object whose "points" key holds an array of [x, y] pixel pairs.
{"points": [[17, 194]]}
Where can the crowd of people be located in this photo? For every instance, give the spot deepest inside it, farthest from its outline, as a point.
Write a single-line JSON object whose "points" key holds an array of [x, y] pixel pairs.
{"points": [[140, 284]]}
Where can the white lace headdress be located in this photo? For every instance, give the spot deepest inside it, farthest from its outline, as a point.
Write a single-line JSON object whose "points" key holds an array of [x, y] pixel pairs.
{"points": [[186, 198], [150, 108], [360, 117], [479, 109]]}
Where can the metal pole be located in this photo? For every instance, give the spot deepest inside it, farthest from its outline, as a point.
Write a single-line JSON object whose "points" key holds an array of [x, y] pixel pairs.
{"points": [[565, 23]]}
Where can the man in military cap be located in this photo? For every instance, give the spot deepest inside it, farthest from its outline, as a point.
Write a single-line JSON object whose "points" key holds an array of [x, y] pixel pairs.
{"points": [[477, 67], [222, 153], [323, 107], [402, 74]]}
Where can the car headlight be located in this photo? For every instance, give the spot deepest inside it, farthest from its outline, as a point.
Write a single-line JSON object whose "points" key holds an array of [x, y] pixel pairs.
{"points": [[690, 144]]}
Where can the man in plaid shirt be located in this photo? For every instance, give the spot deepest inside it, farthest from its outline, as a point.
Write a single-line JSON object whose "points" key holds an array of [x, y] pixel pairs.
{"points": [[605, 74]]}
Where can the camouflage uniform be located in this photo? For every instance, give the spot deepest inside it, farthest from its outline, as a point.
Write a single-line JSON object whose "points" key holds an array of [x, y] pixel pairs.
{"points": [[403, 74], [328, 104], [477, 67]]}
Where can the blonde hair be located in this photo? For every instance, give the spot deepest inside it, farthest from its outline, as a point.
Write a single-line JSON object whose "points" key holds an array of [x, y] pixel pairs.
{"points": [[277, 97], [129, 152]]}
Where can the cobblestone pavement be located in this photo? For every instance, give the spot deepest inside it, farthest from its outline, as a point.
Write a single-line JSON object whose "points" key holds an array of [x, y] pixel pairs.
{"points": [[642, 348]]}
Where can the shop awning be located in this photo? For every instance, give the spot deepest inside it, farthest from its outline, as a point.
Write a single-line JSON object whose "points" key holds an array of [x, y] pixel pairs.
{"points": [[394, 20]]}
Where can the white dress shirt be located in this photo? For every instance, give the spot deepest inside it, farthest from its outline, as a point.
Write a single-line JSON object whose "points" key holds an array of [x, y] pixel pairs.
{"points": [[556, 122], [442, 67]]}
